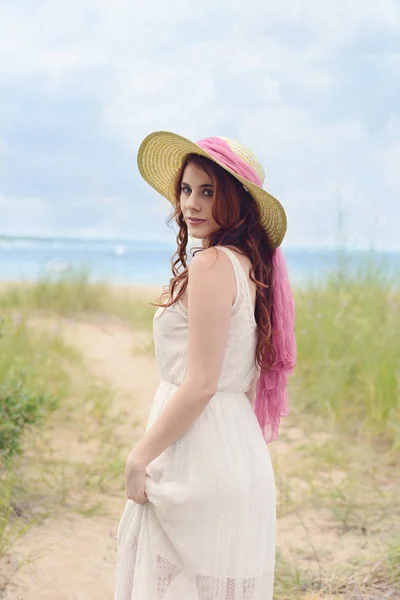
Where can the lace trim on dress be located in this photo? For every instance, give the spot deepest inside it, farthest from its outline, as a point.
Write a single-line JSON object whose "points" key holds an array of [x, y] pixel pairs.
{"points": [[208, 588]]}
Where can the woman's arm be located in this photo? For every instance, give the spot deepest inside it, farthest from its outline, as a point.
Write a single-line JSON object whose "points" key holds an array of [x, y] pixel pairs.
{"points": [[210, 291]]}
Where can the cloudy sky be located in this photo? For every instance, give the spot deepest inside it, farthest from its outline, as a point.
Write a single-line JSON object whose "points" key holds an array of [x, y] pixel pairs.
{"points": [[312, 87]]}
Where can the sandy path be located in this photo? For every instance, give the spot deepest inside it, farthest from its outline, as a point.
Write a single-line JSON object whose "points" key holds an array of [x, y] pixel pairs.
{"points": [[78, 553]]}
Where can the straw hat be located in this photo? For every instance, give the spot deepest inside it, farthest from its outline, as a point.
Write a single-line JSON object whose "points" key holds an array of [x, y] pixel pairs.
{"points": [[160, 157]]}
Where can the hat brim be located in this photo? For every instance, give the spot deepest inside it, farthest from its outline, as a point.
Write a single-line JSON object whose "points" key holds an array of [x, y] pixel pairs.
{"points": [[160, 157]]}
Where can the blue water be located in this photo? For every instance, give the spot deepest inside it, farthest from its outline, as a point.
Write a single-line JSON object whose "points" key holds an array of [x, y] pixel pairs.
{"points": [[148, 263]]}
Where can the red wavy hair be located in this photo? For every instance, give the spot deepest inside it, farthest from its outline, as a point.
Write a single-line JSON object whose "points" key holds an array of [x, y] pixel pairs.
{"points": [[236, 212]]}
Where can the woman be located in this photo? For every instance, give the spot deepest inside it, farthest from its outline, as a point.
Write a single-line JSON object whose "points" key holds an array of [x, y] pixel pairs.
{"points": [[200, 517]]}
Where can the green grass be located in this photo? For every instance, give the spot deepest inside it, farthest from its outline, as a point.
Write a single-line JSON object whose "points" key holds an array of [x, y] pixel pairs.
{"points": [[348, 368], [74, 295], [376, 579], [371, 580], [34, 381]]}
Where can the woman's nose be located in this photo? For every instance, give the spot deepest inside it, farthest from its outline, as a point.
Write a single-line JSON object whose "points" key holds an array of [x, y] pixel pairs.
{"points": [[193, 200]]}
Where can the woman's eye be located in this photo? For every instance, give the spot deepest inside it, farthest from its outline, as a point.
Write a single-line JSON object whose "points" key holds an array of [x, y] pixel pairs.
{"points": [[186, 190]]}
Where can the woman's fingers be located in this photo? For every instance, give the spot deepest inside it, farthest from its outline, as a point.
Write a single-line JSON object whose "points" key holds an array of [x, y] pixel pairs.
{"points": [[138, 498]]}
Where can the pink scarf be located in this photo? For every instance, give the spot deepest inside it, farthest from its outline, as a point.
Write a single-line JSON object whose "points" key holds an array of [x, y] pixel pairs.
{"points": [[271, 394]]}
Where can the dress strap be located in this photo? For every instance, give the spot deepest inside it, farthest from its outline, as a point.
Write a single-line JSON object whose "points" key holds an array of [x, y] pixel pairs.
{"points": [[242, 284]]}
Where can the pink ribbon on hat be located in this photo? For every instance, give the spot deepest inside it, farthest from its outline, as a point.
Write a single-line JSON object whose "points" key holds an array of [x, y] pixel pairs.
{"points": [[220, 149], [271, 394]]}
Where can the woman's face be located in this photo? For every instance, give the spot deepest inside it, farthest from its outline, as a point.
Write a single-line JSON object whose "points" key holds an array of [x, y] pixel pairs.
{"points": [[196, 200]]}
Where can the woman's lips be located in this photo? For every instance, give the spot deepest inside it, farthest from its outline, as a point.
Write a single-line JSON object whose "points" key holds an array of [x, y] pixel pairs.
{"points": [[195, 221]]}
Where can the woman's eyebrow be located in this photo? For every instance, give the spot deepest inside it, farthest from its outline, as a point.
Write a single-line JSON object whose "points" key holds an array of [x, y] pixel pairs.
{"points": [[202, 185]]}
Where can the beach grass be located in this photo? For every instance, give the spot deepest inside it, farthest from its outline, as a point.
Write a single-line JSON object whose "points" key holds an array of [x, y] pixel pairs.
{"points": [[376, 579], [348, 366], [73, 295], [34, 383]]}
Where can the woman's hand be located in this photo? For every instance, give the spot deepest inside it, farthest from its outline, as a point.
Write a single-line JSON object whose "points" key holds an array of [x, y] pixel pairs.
{"points": [[135, 479]]}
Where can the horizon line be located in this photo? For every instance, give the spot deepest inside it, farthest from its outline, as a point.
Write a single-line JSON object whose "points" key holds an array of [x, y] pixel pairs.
{"points": [[121, 240]]}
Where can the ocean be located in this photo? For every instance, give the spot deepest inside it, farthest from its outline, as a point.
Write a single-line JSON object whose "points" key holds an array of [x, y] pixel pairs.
{"points": [[148, 262]]}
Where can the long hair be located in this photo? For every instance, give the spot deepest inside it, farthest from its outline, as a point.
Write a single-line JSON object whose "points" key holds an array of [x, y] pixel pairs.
{"points": [[236, 212]]}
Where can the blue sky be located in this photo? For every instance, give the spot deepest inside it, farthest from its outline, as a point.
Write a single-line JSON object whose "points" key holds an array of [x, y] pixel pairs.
{"points": [[312, 87]]}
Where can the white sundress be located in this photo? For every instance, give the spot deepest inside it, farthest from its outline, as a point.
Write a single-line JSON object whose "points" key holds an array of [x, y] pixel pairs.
{"points": [[208, 529]]}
